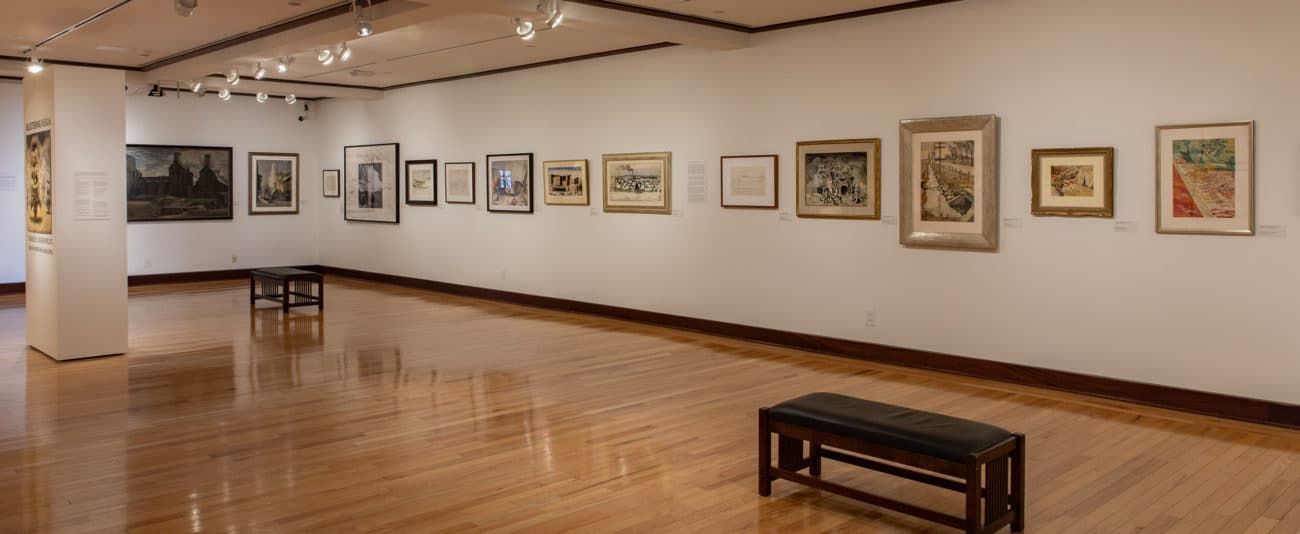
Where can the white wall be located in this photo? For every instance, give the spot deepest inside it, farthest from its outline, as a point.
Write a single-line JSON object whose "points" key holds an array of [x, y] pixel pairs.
{"points": [[12, 225], [1210, 313], [242, 123]]}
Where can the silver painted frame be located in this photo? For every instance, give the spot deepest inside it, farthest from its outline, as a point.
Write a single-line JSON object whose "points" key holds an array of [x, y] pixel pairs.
{"points": [[987, 239]]}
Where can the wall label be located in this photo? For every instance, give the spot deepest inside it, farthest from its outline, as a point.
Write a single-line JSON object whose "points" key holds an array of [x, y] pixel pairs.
{"points": [[697, 188], [40, 243], [1272, 230], [1125, 226]]}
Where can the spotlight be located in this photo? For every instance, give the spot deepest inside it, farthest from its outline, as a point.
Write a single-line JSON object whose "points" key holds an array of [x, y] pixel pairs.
{"points": [[328, 61], [344, 53], [186, 8], [232, 77], [259, 72], [196, 87], [156, 91], [290, 99], [551, 10], [35, 66], [365, 26], [282, 66], [524, 29], [224, 94], [261, 97], [324, 55]]}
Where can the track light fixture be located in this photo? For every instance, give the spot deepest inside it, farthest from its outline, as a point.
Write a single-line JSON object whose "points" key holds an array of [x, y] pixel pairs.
{"points": [[343, 52], [365, 25], [551, 10], [35, 66], [282, 66], [196, 87], [289, 99], [261, 97], [232, 77], [323, 55], [259, 72], [224, 94], [186, 8], [524, 29]]}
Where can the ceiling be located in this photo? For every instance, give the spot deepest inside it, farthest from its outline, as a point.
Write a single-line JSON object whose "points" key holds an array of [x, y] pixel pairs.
{"points": [[414, 40]]}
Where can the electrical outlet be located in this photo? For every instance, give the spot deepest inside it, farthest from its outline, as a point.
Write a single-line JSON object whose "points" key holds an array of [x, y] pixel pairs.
{"points": [[505, 274], [148, 262], [234, 258], [870, 318]]}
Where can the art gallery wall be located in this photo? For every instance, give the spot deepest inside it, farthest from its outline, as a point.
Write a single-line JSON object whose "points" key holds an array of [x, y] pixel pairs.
{"points": [[12, 225], [1209, 313], [245, 125]]}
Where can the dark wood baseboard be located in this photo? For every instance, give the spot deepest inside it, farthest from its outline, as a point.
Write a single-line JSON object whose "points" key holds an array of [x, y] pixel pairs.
{"points": [[1187, 400], [163, 278], [13, 287]]}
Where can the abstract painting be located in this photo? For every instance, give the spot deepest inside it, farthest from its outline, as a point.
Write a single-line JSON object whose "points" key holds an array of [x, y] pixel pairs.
{"points": [[329, 183], [566, 182], [273, 183], [422, 182], [460, 182], [179, 183], [38, 170], [639, 182], [1073, 182], [949, 182], [838, 179], [749, 181], [1206, 179], [510, 182], [370, 183]]}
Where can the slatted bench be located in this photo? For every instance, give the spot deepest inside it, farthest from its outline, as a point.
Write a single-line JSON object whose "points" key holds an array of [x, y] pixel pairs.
{"points": [[288, 286], [947, 452]]}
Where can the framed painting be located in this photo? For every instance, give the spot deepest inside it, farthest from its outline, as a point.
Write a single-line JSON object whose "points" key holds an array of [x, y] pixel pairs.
{"points": [[1206, 179], [39, 177], [639, 183], [370, 183], [179, 183], [329, 183], [949, 182], [460, 182], [422, 182], [566, 182], [749, 181], [838, 179], [510, 183], [273, 183], [1073, 182]]}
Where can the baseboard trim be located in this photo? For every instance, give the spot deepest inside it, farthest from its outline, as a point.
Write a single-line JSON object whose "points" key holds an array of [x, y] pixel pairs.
{"points": [[1160, 396], [162, 278], [13, 287]]}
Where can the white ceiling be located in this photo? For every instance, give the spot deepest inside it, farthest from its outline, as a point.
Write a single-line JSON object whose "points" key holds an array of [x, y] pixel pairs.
{"points": [[415, 40]]}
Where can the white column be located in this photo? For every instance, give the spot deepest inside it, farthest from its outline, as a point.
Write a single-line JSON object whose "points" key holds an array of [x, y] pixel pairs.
{"points": [[74, 177]]}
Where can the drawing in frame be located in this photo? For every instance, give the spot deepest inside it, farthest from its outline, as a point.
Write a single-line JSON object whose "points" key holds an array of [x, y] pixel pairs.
{"points": [[640, 182], [948, 169], [510, 182], [1205, 179], [422, 182], [749, 181], [838, 179], [460, 183], [1073, 182], [272, 183], [371, 181], [566, 182], [329, 183], [179, 183]]}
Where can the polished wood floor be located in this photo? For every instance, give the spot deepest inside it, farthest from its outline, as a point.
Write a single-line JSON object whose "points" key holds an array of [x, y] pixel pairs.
{"points": [[405, 411]]}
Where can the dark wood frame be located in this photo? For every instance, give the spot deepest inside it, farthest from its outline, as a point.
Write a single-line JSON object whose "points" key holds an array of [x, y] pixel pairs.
{"points": [[586, 183], [487, 182], [252, 173], [397, 207], [993, 480], [407, 170], [799, 177], [1108, 193], [289, 286], [338, 182], [776, 182], [230, 201], [473, 182]]}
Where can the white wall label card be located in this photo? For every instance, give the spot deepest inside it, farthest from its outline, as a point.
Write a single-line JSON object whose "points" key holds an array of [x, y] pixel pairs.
{"points": [[891, 220], [1125, 226], [1272, 230], [40, 243], [91, 202], [679, 213], [1013, 222], [8, 182], [595, 212], [787, 217], [697, 176]]}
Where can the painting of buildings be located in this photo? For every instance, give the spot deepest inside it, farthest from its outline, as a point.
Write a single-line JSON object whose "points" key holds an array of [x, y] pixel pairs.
{"points": [[174, 183]]}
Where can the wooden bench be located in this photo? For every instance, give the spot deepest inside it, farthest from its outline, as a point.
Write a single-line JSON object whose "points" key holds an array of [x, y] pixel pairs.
{"points": [[288, 286], [984, 462]]}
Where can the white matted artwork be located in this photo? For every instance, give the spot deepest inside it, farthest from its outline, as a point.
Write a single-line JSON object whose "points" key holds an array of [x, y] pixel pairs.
{"points": [[422, 182], [949, 182], [273, 183], [371, 183], [1073, 182], [639, 182], [1206, 179], [749, 181], [460, 182], [329, 185], [510, 183], [566, 182]]}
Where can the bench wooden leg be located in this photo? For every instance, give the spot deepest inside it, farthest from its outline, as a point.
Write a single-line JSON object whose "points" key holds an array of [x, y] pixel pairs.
{"points": [[789, 453], [974, 521], [764, 454], [814, 458], [284, 293], [1018, 484]]}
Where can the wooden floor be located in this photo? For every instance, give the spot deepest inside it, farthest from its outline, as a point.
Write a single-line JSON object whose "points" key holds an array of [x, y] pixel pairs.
{"points": [[405, 411]]}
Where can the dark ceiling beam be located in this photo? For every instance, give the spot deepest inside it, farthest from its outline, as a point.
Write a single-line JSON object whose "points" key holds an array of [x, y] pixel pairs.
{"points": [[680, 17], [539, 64], [852, 15], [659, 13], [22, 59]]}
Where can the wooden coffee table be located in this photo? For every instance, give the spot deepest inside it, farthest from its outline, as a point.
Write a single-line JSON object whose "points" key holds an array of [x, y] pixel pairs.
{"points": [[288, 286]]}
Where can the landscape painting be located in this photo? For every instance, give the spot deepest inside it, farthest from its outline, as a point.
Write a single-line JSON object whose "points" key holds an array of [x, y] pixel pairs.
{"points": [[178, 183], [838, 179], [422, 182], [1073, 182], [948, 190], [566, 182], [40, 183], [273, 183], [370, 183], [1206, 178], [638, 182], [460, 182], [948, 181], [510, 183]]}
